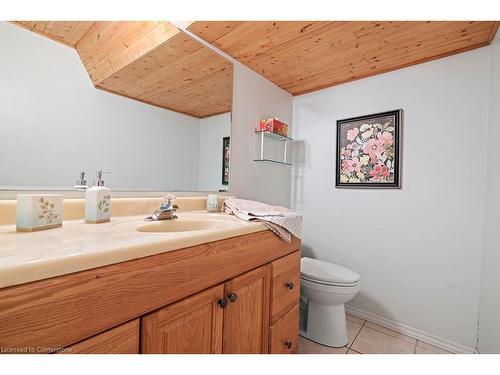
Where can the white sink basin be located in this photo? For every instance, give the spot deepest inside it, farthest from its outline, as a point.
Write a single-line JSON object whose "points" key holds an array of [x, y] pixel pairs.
{"points": [[185, 225]]}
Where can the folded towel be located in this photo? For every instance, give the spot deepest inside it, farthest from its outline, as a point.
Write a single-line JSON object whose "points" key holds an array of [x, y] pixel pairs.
{"points": [[281, 220]]}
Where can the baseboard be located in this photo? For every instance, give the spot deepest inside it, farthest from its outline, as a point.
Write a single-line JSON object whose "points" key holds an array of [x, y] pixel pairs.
{"points": [[409, 331]]}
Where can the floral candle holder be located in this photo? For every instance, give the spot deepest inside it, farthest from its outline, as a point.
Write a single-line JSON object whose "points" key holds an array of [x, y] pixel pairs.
{"points": [[213, 203], [36, 212]]}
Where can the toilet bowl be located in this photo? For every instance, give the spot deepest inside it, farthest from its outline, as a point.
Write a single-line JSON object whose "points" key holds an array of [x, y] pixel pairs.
{"points": [[324, 289]]}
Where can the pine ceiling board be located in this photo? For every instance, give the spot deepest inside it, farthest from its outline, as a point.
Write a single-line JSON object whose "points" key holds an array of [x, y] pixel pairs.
{"points": [[493, 32], [157, 80], [144, 73], [340, 41], [380, 59], [188, 69], [150, 61], [208, 92], [179, 46], [253, 37], [110, 46], [328, 53], [296, 60], [195, 99], [346, 56], [66, 32], [213, 30], [180, 74], [402, 54], [309, 83], [207, 96]]}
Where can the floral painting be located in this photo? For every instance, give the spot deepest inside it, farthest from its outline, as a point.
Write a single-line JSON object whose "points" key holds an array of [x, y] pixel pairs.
{"points": [[225, 160], [368, 151]]}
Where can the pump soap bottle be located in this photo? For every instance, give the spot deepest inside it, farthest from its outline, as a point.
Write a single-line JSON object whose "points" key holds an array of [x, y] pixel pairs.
{"points": [[98, 202]]}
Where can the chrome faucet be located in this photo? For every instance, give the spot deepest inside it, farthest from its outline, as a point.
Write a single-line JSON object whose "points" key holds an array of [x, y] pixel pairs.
{"points": [[166, 210]]}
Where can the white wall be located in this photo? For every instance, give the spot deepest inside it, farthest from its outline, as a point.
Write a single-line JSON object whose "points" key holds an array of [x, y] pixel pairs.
{"points": [[489, 307], [255, 98], [417, 249], [51, 118], [212, 130]]}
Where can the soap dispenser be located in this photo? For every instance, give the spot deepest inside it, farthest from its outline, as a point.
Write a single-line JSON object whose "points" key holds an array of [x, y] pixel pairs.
{"points": [[81, 183], [98, 202]]}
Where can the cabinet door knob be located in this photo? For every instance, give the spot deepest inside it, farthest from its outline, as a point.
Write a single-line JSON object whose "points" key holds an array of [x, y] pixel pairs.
{"points": [[289, 285], [222, 303], [288, 344], [233, 297]]}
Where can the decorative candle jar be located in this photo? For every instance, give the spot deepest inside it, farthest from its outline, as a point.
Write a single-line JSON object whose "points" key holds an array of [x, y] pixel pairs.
{"points": [[38, 212]]}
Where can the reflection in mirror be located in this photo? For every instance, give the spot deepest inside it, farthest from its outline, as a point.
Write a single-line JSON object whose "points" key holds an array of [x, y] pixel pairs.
{"points": [[160, 120]]}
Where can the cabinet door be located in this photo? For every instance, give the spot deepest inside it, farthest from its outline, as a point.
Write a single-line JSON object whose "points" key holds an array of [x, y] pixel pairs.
{"points": [[285, 285], [246, 317], [190, 326], [285, 333], [123, 339]]}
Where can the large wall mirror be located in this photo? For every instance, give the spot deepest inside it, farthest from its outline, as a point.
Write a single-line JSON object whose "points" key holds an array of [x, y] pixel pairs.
{"points": [[143, 100]]}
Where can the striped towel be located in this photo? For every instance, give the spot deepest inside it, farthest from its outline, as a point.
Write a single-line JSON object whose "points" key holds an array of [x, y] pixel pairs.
{"points": [[280, 220]]}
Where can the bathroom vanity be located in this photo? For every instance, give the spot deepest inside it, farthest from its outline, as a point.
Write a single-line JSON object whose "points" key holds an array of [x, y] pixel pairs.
{"points": [[239, 294], [202, 283]]}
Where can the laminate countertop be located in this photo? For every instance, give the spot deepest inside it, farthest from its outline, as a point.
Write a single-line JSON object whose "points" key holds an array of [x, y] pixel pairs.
{"points": [[26, 257]]}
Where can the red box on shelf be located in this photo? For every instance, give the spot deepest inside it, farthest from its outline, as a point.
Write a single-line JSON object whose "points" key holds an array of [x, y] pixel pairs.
{"points": [[274, 125]]}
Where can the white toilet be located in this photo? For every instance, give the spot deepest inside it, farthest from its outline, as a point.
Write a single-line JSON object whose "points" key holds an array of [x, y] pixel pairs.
{"points": [[324, 289]]}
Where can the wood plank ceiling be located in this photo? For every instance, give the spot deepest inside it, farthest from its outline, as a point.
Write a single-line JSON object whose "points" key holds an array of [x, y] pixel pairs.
{"points": [[305, 56], [66, 32], [151, 61], [156, 63]]}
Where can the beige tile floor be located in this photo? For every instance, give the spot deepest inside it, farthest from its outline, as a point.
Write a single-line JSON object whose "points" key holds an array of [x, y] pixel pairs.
{"points": [[369, 338]]}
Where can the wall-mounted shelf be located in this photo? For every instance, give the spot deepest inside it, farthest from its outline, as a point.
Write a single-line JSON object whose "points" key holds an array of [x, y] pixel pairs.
{"points": [[276, 137], [272, 161]]}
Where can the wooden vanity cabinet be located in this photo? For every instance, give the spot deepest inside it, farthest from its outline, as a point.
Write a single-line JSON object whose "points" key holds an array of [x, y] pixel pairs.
{"points": [[246, 317], [123, 339], [285, 297], [190, 326], [236, 295], [284, 334], [254, 313], [228, 318]]}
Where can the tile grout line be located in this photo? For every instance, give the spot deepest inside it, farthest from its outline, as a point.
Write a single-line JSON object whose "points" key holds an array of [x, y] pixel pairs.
{"points": [[385, 333], [410, 334], [355, 337], [349, 346]]}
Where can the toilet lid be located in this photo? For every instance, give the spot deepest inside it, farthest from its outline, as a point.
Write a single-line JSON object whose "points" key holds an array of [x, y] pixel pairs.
{"points": [[325, 272]]}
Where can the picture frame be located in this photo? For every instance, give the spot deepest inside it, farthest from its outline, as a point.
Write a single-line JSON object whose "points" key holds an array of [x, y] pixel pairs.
{"points": [[225, 160], [368, 151]]}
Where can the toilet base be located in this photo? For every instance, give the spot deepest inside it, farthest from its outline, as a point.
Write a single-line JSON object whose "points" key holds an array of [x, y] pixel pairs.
{"points": [[326, 324]]}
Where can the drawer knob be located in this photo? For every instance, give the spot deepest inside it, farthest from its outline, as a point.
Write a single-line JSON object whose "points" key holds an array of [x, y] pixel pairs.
{"points": [[289, 285], [233, 297], [288, 344], [222, 303]]}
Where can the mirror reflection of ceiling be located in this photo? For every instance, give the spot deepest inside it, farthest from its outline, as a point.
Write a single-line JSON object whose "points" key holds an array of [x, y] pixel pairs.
{"points": [[151, 61]]}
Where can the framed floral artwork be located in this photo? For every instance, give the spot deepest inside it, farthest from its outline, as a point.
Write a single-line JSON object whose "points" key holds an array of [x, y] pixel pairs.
{"points": [[225, 160], [368, 151]]}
